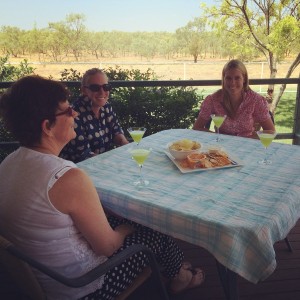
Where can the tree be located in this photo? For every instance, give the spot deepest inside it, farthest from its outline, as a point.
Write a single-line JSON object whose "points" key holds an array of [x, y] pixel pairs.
{"points": [[11, 42], [55, 44], [193, 37], [271, 26], [36, 41], [145, 44], [72, 31], [168, 45], [96, 43]]}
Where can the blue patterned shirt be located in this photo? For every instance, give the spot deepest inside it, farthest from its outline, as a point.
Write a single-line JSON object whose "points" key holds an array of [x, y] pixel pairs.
{"points": [[93, 135]]}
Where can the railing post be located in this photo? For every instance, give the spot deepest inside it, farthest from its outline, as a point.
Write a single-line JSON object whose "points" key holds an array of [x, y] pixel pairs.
{"points": [[296, 131]]}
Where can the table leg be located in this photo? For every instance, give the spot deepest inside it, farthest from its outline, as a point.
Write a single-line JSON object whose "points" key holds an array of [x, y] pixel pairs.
{"points": [[228, 279]]}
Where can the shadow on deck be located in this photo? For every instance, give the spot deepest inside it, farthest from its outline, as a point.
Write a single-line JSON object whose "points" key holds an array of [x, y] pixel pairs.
{"points": [[283, 284]]}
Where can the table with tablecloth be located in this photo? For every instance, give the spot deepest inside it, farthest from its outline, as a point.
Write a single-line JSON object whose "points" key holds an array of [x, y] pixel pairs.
{"points": [[237, 213]]}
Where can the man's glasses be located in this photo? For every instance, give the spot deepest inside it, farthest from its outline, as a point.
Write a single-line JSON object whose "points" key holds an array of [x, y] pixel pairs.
{"points": [[68, 112], [97, 87]]}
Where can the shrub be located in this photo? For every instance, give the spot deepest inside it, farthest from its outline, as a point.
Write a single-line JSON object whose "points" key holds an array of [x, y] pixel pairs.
{"points": [[12, 73], [156, 108], [72, 75]]}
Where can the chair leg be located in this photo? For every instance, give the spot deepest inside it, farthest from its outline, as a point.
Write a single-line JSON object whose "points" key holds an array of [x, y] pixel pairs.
{"points": [[288, 244], [156, 275]]}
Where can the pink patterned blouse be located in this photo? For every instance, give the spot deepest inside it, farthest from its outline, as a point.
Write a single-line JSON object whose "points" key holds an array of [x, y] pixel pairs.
{"points": [[253, 109]]}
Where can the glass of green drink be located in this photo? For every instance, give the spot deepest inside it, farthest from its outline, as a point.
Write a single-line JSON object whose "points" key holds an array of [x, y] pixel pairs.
{"points": [[218, 121], [140, 156], [266, 137], [137, 133]]}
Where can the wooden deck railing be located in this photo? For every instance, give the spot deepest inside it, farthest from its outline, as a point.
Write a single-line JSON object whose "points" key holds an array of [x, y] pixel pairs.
{"points": [[294, 135]]}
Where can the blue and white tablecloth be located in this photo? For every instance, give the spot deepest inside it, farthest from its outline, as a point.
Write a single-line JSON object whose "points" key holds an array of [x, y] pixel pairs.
{"points": [[237, 214]]}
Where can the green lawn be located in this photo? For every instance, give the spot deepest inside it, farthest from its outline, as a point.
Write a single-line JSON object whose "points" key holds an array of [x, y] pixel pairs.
{"points": [[284, 115]]}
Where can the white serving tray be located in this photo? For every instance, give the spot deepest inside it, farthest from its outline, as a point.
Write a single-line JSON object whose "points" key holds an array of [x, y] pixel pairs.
{"points": [[236, 162]]}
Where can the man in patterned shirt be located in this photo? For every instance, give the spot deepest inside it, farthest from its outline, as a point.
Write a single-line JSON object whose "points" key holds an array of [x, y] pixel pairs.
{"points": [[97, 126]]}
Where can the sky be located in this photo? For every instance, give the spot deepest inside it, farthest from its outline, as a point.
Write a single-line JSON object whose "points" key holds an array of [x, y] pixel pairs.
{"points": [[103, 15]]}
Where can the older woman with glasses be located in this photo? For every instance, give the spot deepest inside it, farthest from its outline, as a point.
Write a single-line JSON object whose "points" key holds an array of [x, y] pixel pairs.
{"points": [[97, 126], [61, 223]]}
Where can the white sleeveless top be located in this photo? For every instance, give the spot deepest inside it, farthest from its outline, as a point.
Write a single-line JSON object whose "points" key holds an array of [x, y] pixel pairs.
{"points": [[28, 219]]}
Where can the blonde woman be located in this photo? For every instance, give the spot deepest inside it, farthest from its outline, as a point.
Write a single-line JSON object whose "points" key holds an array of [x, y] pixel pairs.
{"points": [[243, 107]]}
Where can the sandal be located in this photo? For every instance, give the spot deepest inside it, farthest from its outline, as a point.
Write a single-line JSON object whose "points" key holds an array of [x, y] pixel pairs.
{"points": [[197, 279]]}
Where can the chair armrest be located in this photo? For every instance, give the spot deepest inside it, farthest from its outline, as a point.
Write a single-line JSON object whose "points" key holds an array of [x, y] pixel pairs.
{"points": [[92, 274]]}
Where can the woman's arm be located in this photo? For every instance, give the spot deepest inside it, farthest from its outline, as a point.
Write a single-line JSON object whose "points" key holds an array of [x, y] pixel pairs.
{"points": [[120, 139], [203, 120], [268, 124], [82, 203], [200, 124], [262, 112]]}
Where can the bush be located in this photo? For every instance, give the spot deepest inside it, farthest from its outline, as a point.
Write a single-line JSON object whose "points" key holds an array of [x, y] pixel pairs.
{"points": [[72, 75], [12, 73], [156, 108]]}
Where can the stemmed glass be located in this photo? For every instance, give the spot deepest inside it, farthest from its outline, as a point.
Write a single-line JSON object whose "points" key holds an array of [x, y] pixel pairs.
{"points": [[137, 133], [140, 155], [218, 120], [266, 137]]}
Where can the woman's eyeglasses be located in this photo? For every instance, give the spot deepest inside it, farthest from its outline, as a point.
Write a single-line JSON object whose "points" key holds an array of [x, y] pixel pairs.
{"points": [[97, 87], [68, 112]]}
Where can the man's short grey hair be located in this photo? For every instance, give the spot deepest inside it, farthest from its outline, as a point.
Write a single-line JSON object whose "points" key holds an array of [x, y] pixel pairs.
{"points": [[89, 73]]}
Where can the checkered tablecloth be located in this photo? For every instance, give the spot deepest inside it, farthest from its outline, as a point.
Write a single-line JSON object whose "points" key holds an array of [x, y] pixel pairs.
{"points": [[237, 214]]}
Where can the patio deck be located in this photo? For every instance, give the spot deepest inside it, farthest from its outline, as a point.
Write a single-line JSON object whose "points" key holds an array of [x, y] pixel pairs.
{"points": [[283, 284]]}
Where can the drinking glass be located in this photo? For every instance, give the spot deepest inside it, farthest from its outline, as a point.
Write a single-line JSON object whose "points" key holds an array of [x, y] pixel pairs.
{"points": [[140, 156], [137, 133], [218, 120], [266, 137]]}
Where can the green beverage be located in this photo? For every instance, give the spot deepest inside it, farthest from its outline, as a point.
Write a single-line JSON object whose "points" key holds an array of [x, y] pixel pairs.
{"points": [[140, 155], [266, 139], [218, 120], [137, 135]]}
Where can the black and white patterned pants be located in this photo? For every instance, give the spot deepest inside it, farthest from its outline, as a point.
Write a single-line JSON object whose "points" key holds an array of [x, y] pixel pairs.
{"points": [[167, 253]]}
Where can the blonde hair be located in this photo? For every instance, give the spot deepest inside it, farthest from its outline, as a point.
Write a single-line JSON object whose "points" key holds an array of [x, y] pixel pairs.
{"points": [[233, 64]]}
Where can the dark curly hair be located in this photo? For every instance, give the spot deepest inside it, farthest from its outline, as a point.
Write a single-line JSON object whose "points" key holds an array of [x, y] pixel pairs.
{"points": [[27, 103]]}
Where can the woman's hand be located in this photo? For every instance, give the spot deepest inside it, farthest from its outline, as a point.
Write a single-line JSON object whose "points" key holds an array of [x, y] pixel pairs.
{"points": [[125, 229]]}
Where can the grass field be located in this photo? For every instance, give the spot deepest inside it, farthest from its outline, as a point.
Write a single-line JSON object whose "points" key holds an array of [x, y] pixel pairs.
{"points": [[166, 69]]}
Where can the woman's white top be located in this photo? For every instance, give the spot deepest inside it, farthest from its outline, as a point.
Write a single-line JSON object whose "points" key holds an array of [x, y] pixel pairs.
{"points": [[28, 219]]}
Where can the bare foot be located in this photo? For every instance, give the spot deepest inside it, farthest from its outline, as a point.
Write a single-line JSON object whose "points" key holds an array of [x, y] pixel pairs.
{"points": [[186, 279], [186, 265]]}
